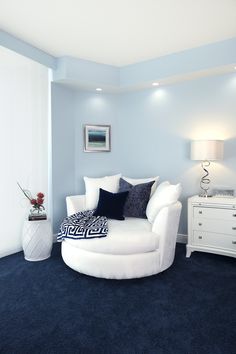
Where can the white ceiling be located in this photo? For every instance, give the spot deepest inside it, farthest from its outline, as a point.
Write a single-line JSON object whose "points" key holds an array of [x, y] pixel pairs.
{"points": [[118, 32]]}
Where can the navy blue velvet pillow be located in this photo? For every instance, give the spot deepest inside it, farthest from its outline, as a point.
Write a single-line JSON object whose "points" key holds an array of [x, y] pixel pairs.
{"points": [[136, 203], [111, 205]]}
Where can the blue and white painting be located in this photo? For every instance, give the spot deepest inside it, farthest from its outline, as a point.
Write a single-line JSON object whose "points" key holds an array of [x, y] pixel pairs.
{"points": [[97, 138]]}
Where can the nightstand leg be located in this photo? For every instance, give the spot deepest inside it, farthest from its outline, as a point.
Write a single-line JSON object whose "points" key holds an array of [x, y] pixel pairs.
{"points": [[188, 251]]}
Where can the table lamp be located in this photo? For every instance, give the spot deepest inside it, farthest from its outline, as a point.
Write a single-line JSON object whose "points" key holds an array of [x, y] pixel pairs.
{"points": [[206, 151]]}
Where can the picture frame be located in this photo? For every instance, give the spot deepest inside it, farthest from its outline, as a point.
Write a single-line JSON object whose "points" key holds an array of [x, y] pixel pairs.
{"points": [[97, 138], [223, 192]]}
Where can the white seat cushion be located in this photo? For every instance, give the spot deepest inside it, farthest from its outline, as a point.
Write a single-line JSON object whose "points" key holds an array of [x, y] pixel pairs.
{"points": [[130, 236]]}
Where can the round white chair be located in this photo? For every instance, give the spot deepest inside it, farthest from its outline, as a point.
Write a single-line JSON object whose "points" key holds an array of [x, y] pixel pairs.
{"points": [[133, 248]]}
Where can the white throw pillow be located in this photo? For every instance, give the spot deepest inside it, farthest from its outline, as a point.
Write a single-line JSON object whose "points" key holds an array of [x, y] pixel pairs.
{"points": [[165, 195], [92, 185], [135, 181]]}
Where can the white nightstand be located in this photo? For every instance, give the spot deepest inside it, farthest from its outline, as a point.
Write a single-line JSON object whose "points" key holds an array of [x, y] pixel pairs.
{"points": [[37, 240], [212, 225]]}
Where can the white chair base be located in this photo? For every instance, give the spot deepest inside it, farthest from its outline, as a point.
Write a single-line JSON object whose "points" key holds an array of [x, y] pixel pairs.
{"points": [[111, 266]]}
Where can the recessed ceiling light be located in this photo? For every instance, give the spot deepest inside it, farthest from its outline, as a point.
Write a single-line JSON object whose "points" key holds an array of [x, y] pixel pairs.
{"points": [[98, 89], [155, 84], [235, 68]]}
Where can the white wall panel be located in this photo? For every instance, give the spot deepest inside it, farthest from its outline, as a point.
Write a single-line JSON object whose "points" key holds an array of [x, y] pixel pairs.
{"points": [[23, 141]]}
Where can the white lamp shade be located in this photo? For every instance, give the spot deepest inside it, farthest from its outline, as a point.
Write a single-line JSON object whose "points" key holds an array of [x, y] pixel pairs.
{"points": [[207, 150]]}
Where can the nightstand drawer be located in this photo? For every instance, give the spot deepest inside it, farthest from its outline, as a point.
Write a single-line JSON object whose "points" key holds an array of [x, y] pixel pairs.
{"points": [[216, 240], [214, 213], [215, 225]]}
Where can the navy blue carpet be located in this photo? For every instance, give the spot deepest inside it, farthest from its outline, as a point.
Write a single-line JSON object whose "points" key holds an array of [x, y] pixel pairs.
{"points": [[45, 307]]}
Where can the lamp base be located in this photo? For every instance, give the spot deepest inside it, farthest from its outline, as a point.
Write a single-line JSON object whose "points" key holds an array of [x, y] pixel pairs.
{"points": [[205, 181]]}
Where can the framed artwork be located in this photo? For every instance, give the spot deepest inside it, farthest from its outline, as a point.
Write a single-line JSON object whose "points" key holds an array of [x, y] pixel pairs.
{"points": [[223, 192], [97, 138]]}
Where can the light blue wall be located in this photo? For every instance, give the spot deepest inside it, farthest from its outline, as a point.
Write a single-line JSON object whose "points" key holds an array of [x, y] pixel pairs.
{"points": [[86, 72], [151, 132], [63, 149], [158, 124], [71, 109], [96, 108], [189, 61], [26, 49]]}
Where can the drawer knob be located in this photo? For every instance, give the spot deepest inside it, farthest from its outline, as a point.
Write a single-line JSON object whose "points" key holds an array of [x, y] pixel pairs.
{"points": [[200, 224], [200, 212], [234, 242], [234, 215], [233, 228], [200, 237]]}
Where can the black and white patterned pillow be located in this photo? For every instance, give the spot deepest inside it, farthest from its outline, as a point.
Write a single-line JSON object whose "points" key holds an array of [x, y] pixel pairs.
{"points": [[136, 202]]}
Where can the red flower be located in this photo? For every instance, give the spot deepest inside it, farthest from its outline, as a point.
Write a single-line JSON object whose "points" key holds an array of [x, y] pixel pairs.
{"points": [[40, 201], [40, 195], [33, 201]]}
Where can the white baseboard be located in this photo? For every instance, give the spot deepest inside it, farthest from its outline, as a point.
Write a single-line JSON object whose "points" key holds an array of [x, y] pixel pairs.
{"points": [[9, 251], [181, 238]]}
